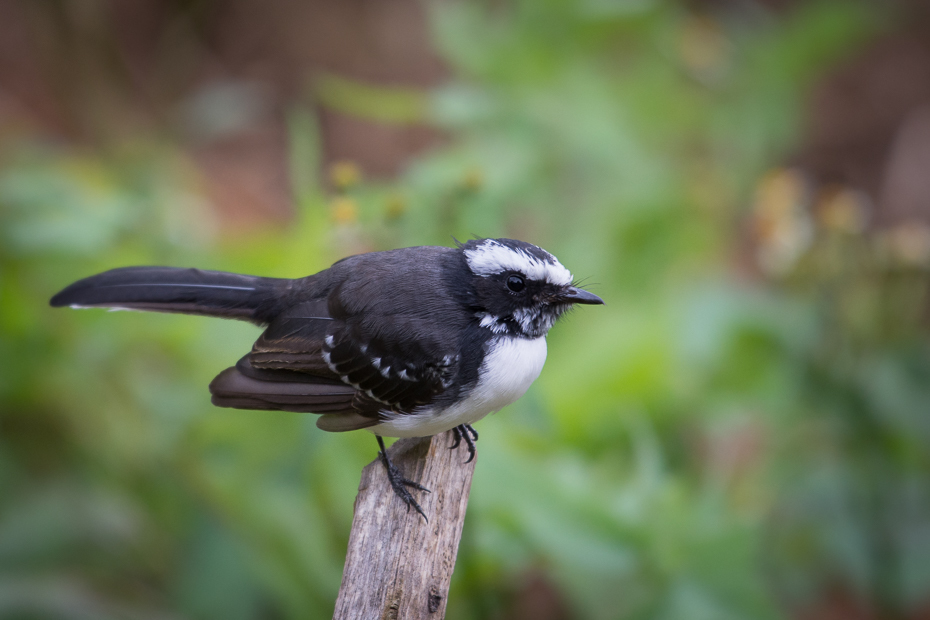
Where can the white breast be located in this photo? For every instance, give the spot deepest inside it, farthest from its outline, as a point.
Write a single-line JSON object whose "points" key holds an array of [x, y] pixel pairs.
{"points": [[509, 368]]}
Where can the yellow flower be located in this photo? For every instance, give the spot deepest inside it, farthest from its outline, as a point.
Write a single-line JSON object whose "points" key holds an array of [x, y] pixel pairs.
{"points": [[344, 174], [843, 210], [473, 179], [396, 207], [344, 211], [781, 222]]}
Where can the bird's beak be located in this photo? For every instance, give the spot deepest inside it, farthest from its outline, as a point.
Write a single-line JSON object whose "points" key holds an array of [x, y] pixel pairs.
{"points": [[576, 295]]}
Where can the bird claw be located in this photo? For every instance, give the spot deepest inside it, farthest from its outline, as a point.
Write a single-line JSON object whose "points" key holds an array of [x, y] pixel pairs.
{"points": [[399, 484], [470, 435]]}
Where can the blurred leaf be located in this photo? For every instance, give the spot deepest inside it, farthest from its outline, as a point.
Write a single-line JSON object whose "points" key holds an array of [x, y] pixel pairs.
{"points": [[388, 105]]}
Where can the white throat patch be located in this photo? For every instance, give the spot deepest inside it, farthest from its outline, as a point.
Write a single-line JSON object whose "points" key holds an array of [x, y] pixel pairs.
{"points": [[491, 257]]}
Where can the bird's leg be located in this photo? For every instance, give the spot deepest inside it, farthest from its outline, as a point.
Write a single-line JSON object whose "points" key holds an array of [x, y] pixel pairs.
{"points": [[399, 483], [470, 435]]}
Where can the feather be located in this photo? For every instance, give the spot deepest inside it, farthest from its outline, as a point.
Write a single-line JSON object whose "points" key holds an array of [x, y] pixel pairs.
{"points": [[171, 289], [232, 388]]}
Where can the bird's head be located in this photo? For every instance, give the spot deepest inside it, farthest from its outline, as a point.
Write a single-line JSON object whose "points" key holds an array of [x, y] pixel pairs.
{"points": [[519, 288]]}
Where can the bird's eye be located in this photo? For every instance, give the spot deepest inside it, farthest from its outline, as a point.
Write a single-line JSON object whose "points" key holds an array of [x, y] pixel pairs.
{"points": [[515, 283]]}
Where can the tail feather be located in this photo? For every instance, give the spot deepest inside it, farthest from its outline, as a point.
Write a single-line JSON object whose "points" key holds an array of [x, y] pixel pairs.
{"points": [[171, 289]]}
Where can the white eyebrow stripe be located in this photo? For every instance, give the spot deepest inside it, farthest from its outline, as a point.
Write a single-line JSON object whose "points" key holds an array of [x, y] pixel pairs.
{"points": [[491, 258]]}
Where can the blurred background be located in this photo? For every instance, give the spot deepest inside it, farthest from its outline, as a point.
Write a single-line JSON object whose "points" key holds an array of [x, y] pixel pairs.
{"points": [[741, 432]]}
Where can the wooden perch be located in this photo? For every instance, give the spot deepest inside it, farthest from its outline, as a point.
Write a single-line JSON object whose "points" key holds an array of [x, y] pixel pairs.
{"points": [[398, 566]]}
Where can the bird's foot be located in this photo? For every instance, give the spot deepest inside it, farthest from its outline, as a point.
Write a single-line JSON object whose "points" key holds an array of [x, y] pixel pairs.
{"points": [[399, 483], [470, 435]]}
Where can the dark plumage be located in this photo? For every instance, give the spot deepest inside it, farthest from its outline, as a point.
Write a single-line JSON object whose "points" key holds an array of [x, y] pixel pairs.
{"points": [[405, 342]]}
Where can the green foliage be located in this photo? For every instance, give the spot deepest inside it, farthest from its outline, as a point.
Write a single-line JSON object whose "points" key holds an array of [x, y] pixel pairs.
{"points": [[704, 446]]}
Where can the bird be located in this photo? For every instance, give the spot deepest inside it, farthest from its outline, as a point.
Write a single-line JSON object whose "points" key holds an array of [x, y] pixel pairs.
{"points": [[410, 342]]}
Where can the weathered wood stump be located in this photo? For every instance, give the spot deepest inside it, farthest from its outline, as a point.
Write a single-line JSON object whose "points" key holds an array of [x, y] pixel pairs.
{"points": [[398, 566]]}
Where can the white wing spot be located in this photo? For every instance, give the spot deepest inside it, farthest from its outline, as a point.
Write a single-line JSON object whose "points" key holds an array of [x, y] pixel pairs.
{"points": [[345, 379], [373, 397], [329, 362]]}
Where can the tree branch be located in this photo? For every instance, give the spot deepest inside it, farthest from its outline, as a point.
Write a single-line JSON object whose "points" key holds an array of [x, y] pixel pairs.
{"points": [[397, 564]]}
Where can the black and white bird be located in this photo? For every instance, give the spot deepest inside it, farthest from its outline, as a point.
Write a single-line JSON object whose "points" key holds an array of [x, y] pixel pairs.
{"points": [[405, 343]]}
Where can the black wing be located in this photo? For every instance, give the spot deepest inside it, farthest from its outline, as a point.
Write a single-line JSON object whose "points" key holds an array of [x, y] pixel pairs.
{"points": [[386, 373], [348, 358]]}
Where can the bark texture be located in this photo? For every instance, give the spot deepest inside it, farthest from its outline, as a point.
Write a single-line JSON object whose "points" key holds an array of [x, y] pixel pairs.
{"points": [[398, 566]]}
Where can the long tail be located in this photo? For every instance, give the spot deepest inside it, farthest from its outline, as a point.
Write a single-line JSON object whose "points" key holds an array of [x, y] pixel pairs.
{"points": [[189, 291]]}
